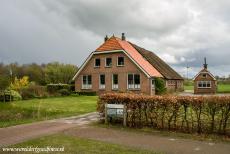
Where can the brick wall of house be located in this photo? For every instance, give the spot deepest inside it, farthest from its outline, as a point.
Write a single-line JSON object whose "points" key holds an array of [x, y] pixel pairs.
{"points": [[204, 90], [122, 71], [175, 85]]}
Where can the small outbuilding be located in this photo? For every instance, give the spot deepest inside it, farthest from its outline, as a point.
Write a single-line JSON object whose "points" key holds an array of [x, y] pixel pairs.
{"points": [[204, 81]]}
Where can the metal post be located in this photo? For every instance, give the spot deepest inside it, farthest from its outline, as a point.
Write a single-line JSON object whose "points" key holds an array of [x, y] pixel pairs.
{"points": [[106, 116], [125, 116]]}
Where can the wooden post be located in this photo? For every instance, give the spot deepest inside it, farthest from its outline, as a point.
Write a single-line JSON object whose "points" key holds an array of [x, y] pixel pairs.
{"points": [[106, 116], [125, 116]]}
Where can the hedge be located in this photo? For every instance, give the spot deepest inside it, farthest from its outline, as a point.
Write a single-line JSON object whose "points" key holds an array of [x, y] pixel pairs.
{"points": [[54, 88], [191, 114]]}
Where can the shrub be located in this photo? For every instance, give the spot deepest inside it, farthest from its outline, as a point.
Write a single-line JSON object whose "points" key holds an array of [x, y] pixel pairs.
{"points": [[87, 93], [209, 114], [64, 92], [160, 86], [34, 91], [15, 96], [54, 88]]}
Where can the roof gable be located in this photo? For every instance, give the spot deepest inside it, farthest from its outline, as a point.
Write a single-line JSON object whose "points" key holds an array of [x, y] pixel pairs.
{"points": [[109, 45], [146, 60], [204, 71]]}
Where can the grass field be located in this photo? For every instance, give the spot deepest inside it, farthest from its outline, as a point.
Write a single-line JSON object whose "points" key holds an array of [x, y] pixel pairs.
{"points": [[77, 145], [26, 111], [222, 88]]}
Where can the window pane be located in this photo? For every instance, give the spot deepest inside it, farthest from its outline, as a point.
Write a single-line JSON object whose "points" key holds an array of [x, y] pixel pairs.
{"points": [[89, 79], [108, 61], [97, 62], [204, 84], [84, 79], [209, 84], [115, 79], [120, 60], [137, 79], [130, 79], [102, 79], [199, 84]]}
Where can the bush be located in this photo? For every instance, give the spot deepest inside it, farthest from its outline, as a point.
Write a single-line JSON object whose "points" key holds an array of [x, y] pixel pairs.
{"points": [[15, 96], [26, 93], [54, 88], [182, 113], [64, 92], [160, 86], [88, 93], [34, 91]]}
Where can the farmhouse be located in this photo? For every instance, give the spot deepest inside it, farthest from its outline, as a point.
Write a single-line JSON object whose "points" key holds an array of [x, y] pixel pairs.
{"points": [[204, 81], [119, 65]]}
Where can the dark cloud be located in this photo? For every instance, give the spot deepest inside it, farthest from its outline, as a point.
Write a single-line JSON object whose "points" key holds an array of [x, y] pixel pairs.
{"points": [[181, 32]]}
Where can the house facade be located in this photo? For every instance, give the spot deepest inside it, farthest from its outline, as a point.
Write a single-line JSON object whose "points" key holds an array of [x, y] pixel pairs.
{"points": [[205, 82], [118, 65]]}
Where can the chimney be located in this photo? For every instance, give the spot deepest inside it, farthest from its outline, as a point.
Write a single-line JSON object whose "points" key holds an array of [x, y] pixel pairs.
{"points": [[205, 64], [106, 38], [122, 36]]}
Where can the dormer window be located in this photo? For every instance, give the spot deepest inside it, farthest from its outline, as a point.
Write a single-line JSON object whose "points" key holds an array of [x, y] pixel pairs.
{"points": [[204, 75], [120, 61], [97, 62], [108, 62]]}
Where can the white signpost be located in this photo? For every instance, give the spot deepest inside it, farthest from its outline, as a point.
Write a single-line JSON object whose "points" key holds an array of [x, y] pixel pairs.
{"points": [[115, 110]]}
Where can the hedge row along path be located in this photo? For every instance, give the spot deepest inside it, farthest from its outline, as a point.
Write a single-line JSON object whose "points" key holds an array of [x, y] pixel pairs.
{"points": [[200, 114]]}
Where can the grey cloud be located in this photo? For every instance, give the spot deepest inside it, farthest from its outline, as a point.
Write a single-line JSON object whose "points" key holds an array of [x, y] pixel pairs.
{"points": [[181, 32]]}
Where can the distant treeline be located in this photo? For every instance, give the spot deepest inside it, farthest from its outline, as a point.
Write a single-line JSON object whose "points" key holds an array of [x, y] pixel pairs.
{"points": [[43, 74]]}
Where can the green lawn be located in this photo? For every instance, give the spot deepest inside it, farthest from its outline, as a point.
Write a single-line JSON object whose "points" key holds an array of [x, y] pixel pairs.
{"points": [[78, 145], [26, 111], [222, 88]]}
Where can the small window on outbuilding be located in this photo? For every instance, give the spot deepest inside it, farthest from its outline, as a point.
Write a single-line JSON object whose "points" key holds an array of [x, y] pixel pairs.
{"points": [[204, 75]]}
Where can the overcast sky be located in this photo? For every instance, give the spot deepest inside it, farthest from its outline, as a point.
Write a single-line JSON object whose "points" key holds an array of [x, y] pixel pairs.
{"points": [[182, 32]]}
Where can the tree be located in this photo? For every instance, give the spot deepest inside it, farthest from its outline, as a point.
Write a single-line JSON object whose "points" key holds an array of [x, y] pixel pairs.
{"points": [[160, 86], [19, 83], [4, 83], [59, 73], [35, 73]]}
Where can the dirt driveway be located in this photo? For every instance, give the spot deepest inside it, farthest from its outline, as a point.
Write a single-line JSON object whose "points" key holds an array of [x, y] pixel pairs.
{"points": [[20, 133]]}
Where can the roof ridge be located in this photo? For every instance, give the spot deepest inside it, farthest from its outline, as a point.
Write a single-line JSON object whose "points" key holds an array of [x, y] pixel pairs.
{"points": [[157, 62], [111, 44]]}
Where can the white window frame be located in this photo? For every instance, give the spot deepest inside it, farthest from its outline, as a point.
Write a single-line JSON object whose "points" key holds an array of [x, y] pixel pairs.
{"points": [[95, 62], [152, 83], [106, 61], [86, 86], [133, 86], [101, 86], [115, 86], [202, 82], [123, 61]]}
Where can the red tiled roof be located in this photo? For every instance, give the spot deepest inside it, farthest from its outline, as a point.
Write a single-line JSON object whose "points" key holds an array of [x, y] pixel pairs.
{"points": [[115, 43], [110, 44], [139, 59]]}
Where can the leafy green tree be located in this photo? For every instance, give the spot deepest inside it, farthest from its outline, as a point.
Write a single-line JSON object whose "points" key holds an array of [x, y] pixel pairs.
{"points": [[160, 86], [35, 72], [59, 73]]}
